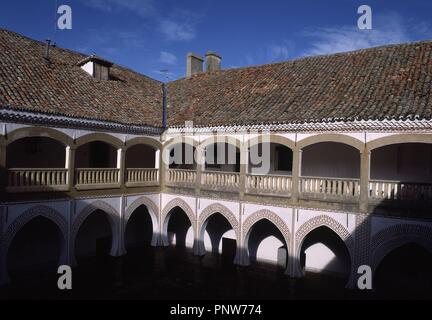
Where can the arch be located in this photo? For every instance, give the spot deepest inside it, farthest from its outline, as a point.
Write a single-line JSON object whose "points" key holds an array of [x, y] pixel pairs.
{"points": [[113, 218], [144, 140], [221, 139], [27, 216], [29, 132], [270, 216], [391, 238], [272, 138], [338, 138], [154, 216], [224, 211], [399, 138], [175, 141], [177, 202], [151, 206], [102, 137], [179, 140], [322, 221]]}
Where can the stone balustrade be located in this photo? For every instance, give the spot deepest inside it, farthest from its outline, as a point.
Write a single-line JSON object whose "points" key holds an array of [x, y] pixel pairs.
{"points": [[324, 187], [97, 178], [181, 178], [269, 184], [222, 181], [397, 190], [137, 177], [33, 180]]}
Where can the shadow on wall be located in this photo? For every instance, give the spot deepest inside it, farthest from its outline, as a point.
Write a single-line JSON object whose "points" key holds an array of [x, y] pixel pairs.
{"points": [[405, 271]]}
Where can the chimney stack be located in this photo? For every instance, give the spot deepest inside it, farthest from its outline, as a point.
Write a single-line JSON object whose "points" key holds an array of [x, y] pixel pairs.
{"points": [[194, 64], [213, 61]]}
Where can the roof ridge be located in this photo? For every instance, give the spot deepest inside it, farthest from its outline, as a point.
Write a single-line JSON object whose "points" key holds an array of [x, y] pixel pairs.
{"points": [[311, 57]]}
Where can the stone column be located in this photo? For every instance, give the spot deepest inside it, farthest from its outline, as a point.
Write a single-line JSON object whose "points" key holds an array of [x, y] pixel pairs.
{"points": [[200, 167], [362, 243], [3, 169], [365, 158], [237, 258], [163, 166], [121, 245], [71, 260], [295, 270], [244, 159], [4, 277], [296, 174], [70, 166], [121, 156]]}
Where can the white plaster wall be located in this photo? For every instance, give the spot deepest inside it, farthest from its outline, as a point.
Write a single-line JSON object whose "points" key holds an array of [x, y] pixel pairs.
{"points": [[16, 210], [331, 160], [88, 67], [166, 198], [321, 258], [114, 202], [233, 206], [347, 220], [408, 162], [268, 250], [380, 223]]}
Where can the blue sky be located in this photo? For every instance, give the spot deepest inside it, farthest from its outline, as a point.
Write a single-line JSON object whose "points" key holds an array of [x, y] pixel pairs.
{"points": [[153, 35]]}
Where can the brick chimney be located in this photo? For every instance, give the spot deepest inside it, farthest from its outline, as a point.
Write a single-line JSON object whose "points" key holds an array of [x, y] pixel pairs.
{"points": [[213, 61], [194, 64]]}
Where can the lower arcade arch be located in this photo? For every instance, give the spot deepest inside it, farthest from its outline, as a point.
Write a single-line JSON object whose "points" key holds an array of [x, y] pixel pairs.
{"points": [[404, 271], [218, 236], [266, 244], [178, 228], [37, 249], [94, 237], [139, 230], [323, 251]]}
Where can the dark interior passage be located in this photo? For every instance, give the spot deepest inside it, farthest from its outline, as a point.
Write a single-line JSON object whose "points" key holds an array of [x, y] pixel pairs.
{"points": [[36, 152], [406, 271], [35, 250], [94, 237], [178, 226], [141, 156], [96, 154], [182, 156], [139, 229]]}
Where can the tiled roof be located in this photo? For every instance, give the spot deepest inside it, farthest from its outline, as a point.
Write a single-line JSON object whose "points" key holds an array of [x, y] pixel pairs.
{"points": [[28, 82], [391, 82]]}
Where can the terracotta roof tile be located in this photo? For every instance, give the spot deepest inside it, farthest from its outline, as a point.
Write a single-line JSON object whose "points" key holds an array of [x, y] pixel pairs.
{"points": [[28, 82], [392, 82]]}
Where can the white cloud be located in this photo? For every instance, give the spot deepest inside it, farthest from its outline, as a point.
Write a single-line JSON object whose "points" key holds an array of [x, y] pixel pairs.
{"points": [[177, 31], [279, 52], [144, 8], [176, 24], [167, 58], [387, 29]]}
